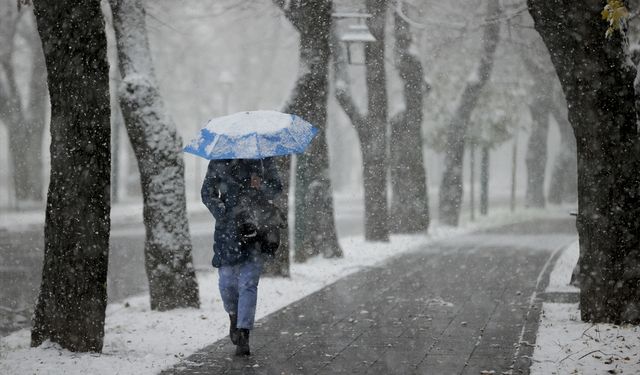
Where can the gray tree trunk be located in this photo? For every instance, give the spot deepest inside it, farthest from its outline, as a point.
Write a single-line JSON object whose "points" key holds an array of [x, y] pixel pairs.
{"points": [[372, 125], [314, 229], [157, 146], [374, 154], [484, 181], [70, 309], [36, 116], [598, 86], [536, 157], [472, 180], [451, 186], [409, 204], [25, 120], [563, 187]]}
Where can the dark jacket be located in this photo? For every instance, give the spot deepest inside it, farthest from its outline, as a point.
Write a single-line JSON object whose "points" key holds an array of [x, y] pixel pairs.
{"points": [[226, 192]]}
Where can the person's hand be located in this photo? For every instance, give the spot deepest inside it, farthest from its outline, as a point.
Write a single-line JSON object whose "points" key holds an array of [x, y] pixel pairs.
{"points": [[256, 181]]}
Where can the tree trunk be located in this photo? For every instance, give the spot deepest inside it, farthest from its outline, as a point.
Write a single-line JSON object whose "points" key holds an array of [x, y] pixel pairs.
{"points": [[36, 115], [70, 309], [484, 181], [370, 126], [13, 114], [564, 179], [314, 230], [598, 85], [514, 174], [374, 152], [11, 111], [472, 180], [409, 205], [158, 148], [451, 185], [536, 158], [25, 119], [279, 266], [18, 139]]}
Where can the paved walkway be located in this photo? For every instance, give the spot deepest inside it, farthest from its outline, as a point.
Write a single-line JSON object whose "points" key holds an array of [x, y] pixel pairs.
{"points": [[461, 306]]}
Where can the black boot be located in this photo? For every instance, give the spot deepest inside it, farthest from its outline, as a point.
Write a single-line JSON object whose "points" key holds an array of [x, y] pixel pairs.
{"points": [[243, 342], [233, 328]]}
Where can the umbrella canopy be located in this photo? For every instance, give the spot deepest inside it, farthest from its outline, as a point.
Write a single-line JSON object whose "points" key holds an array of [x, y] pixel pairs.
{"points": [[252, 135]]}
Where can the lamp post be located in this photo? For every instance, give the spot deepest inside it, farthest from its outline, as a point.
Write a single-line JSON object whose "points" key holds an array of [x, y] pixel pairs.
{"points": [[355, 36], [226, 80]]}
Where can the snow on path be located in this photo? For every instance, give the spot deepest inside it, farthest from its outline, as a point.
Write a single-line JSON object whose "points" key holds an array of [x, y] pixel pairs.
{"points": [[565, 345], [561, 274], [140, 341]]}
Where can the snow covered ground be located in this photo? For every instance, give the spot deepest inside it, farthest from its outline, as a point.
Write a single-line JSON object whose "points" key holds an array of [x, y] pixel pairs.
{"points": [[565, 345], [140, 341], [128, 212]]}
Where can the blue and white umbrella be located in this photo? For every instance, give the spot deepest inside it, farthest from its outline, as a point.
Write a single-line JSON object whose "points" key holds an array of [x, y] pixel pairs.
{"points": [[252, 135]]}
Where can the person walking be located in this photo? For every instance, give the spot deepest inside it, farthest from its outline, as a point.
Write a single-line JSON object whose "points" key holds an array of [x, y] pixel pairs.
{"points": [[231, 189]]}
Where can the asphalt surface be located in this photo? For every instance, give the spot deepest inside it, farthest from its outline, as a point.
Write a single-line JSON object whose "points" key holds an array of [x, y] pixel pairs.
{"points": [[467, 305]]}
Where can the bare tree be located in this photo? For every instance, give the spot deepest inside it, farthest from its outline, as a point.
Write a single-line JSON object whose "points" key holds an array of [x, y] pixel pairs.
{"points": [[371, 126], [410, 202], [158, 148], [451, 186], [25, 118], [70, 309], [540, 109], [484, 180], [314, 228], [547, 101], [598, 85], [563, 187]]}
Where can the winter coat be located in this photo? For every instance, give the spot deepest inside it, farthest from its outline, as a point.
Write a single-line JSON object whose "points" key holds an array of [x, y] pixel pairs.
{"points": [[226, 192]]}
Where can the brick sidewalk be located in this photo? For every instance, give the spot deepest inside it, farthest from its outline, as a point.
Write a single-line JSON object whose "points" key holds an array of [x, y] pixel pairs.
{"points": [[450, 309]]}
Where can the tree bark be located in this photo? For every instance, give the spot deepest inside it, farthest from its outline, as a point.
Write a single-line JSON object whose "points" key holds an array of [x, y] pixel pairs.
{"points": [[451, 186], [598, 86], [314, 229], [372, 125], [409, 204], [70, 309], [158, 148], [536, 158], [374, 153]]}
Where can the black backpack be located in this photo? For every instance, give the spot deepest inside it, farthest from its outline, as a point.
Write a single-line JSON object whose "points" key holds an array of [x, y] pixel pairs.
{"points": [[259, 222]]}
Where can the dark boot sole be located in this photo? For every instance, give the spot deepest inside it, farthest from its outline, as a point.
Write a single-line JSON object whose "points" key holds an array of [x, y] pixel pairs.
{"points": [[243, 351]]}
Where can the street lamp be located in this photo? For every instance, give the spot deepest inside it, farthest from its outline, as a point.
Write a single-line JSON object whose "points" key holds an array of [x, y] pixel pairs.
{"points": [[226, 80], [355, 37]]}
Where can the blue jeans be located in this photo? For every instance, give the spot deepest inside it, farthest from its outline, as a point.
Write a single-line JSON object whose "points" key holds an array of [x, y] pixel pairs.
{"points": [[239, 289]]}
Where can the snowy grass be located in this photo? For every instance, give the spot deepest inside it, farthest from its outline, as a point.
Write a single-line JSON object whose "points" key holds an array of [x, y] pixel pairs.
{"points": [[124, 212], [565, 345], [140, 341]]}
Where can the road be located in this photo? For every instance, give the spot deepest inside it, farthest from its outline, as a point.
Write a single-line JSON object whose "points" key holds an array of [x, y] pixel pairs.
{"points": [[465, 305]]}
